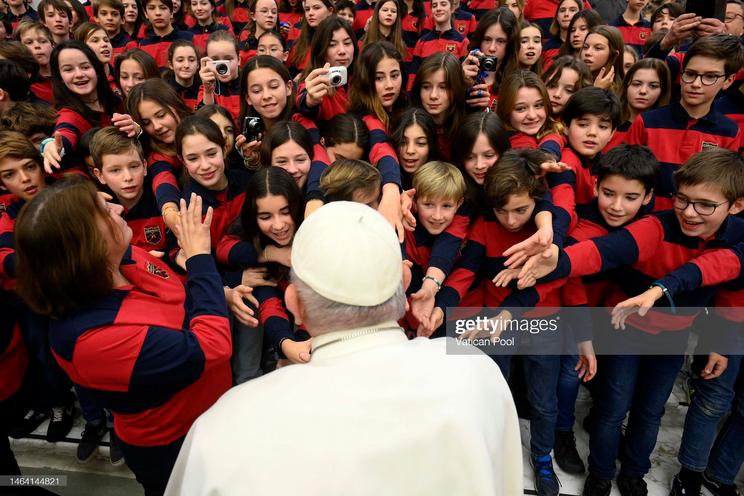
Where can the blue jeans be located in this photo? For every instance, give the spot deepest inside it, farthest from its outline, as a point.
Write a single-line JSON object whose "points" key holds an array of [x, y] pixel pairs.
{"points": [[568, 390], [541, 374], [641, 385], [728, 451], [710, 403]]}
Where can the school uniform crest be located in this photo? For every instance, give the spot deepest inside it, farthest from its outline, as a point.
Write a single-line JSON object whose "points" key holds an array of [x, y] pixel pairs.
{"points": [[3, 208], [153, 235], [643, 35], [451, 47], [461, 28], [415, 24], [157, 271], [707, 145]]}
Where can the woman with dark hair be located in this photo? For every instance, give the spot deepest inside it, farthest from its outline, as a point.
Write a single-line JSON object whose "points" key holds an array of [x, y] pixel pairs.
{"points": [[413, 18], [84, 100], [262, 18], [118, 316], [333, 46], [565, 12]]}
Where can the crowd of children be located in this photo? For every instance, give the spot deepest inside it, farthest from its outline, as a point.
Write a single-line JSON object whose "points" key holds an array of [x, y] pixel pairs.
{"points": [[528, 154]]}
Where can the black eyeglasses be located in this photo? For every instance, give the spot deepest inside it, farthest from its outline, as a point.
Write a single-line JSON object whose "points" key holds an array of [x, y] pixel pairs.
{"points": [[732, 17], [707, 79], [703, 208]]}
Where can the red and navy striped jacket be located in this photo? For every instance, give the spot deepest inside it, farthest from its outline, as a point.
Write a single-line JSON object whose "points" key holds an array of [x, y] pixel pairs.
{"points": [[226, 95], [483, 256], [164, 171], [7, 245], [148, 228], [330, 106], [248, 45], [412, 27], [320, 162], [581, 177], [673, 136], [634, 35], [13, 355], [381, 153], [619, 136], [463, 22], [16, 19], [364, 11], [121, 43], [71, 126], [425, 250], [157, 355], [240, 16], [648, 250], [42, 89], [190, 95], [480, 7], [550, 50], [731, 104], [432, 42], [157, 46], [274, 317], [552, 143], [226, 204], [201, 33], [590, 225]]}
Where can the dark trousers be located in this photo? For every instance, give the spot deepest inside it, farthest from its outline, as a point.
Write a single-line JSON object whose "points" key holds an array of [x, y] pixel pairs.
{"points": [[152, 465]]}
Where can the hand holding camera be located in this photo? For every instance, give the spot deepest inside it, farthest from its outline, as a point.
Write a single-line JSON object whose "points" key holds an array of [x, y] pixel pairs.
{"points": [[208, 75]]}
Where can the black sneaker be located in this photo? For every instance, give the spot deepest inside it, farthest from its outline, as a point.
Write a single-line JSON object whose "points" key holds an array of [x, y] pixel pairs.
{"points": [[90, 440], [594, 486], [60, 423], [713, 488], [632, 486], [565, 453], [30, 422], [115, 454], [546, 482], [686, 485]]}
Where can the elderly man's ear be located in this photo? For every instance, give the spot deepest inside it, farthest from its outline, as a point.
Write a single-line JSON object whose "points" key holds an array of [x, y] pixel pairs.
{"points": [[407, 276], [294, 305]]}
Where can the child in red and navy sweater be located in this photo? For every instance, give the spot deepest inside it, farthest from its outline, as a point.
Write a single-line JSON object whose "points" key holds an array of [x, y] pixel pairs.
{"points": [[676, 132], [119, 165], [162, 32], [221, 85]]}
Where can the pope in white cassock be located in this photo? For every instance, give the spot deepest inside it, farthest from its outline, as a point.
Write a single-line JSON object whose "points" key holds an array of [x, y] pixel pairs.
{"points": [[372, 413]]}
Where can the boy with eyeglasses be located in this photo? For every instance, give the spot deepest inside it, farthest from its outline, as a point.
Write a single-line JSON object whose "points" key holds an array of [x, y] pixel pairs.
{"points": [[677, 131]]}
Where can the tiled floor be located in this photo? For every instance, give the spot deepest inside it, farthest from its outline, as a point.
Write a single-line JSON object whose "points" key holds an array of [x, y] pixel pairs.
{"points": [[98, 477]]}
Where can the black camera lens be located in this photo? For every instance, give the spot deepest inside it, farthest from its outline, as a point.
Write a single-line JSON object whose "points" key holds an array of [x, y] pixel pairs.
{"points": [[488, 64], [222, 69], [336, 79]]}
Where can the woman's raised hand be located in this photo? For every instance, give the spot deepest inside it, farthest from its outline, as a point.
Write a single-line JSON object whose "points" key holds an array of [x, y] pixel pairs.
{"points": [[194, 236]]}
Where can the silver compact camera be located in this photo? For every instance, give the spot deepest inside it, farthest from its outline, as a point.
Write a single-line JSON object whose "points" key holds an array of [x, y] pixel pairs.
{"points": [[221, 67], [337, 75]]}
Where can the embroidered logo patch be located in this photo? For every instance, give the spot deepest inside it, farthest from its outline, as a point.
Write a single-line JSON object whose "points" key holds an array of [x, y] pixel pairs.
{"points": [[461, 28], [156, 271], [642, 35], [153, 235], [708, 146], [3, 208], [451, 47]]}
